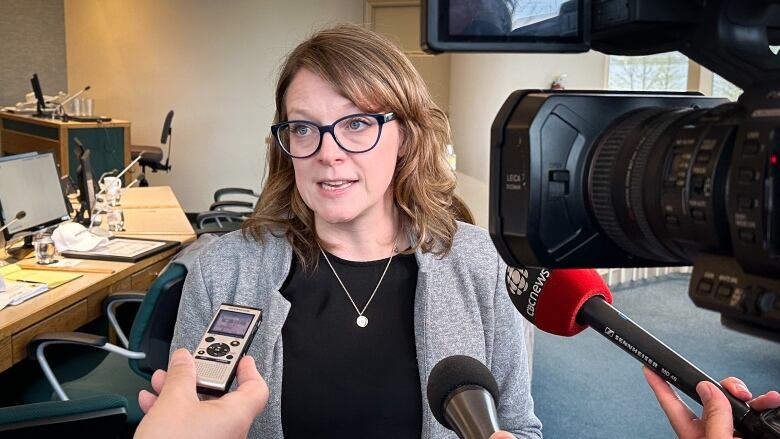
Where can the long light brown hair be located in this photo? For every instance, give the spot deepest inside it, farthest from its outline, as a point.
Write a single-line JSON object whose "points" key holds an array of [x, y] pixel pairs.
{"points": [[369, 70]]}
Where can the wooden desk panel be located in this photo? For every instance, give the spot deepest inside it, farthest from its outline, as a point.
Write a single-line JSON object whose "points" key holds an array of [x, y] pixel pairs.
{"points": [[78, 302]]}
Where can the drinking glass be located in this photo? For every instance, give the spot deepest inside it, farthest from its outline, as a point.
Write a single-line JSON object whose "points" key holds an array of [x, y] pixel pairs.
{"points": [[115, 219], [44, 249]]}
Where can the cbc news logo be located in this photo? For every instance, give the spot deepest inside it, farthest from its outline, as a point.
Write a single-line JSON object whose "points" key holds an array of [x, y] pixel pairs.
{"points": [[517, 280]]}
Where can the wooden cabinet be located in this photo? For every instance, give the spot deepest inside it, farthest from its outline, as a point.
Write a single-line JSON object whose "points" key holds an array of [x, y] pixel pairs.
{"points": [[109, 142]]}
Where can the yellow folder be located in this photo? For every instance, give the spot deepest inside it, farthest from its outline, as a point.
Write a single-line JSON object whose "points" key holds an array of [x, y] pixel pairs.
{"points": [[50, 278]]}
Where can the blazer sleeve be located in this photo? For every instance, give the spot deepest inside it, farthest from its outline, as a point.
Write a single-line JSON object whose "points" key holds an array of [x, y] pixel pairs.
{"points": [[195, 309], [510, 365]]}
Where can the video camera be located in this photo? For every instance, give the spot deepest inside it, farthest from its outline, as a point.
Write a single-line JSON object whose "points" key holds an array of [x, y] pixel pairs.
{"points": [[628, 179]]}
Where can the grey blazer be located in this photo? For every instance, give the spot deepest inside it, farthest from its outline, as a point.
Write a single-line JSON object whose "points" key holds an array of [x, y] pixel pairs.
{"points": [[461, 307]]}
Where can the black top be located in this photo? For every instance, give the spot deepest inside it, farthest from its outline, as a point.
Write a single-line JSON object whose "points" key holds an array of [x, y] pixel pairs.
{"points": [[341, 380]]}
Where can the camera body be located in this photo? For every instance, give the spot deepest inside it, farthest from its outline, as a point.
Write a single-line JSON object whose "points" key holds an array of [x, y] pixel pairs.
{"points": [[627, 179]]}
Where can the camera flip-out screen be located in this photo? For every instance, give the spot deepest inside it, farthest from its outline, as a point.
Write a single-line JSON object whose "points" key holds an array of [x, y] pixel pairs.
{"points": [[505, 26]]}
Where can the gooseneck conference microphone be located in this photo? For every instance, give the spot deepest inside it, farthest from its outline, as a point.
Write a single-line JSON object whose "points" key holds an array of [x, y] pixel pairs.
{"points": [[462, 393], [566, 301], [19, 215]]}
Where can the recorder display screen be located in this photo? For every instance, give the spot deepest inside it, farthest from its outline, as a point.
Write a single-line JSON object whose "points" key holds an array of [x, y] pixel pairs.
{"points": [[231, 323]]}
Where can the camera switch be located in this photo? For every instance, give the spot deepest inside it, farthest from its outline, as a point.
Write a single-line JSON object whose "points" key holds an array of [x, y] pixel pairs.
{"points": [[746, 175], [724, 290], [747, 235], [744, 202], [750, 147], [705, 287]]}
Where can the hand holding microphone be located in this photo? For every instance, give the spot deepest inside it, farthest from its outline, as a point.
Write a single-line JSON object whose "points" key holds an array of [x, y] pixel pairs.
{"points": [[716, 422], [566, 301]]}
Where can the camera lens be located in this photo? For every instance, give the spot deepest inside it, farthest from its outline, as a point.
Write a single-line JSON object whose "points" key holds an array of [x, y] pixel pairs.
{"points": [[657, 179]]}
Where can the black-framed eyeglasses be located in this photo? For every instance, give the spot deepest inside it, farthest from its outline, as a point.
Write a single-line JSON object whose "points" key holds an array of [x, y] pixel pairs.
{"points": [[355, 133]]}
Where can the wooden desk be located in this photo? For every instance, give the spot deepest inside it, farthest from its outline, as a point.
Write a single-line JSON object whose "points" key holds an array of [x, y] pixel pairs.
{"points": [[109, 142], [153, 197], [78, 302]]}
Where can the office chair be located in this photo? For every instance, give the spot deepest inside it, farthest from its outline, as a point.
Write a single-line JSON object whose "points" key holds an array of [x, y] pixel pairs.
{"points": [[231, 206], [234, 199], [145, 349], [153, 155], [94, 417]]}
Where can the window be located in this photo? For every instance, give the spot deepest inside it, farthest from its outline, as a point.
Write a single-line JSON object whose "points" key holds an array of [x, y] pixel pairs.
{"points": [[722, 88], [660, 72]]}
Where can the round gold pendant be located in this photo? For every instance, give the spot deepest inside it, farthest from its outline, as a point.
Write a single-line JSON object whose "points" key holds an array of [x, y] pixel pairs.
{"points": [[362, 321]]}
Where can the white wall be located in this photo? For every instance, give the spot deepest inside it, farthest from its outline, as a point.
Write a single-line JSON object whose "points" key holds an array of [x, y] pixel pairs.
{"points": [[479, 84], [213, 62]]}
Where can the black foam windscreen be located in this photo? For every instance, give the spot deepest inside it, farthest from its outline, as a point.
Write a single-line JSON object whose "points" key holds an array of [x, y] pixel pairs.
{"points": [[452, 373]]}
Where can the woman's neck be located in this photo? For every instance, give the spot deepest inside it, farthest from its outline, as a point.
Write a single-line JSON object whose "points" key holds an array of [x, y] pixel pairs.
{"points": [[365, 240]]}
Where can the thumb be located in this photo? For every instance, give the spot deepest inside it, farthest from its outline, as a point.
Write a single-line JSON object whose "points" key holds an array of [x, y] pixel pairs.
{"points": [[717, 411], [180, 377], [252, 389]]}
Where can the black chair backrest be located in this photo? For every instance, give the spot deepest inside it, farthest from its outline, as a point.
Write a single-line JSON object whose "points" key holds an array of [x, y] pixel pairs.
{"points": [[101, 416], [152, 329], [166, 130]]}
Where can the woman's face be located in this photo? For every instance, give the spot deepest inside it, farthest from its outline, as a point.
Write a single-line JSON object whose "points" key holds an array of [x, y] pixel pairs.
{"points": [[339, 186]]}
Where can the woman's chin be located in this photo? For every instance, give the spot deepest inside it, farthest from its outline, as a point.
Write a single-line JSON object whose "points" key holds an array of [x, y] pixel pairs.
{"points": [[338, 217]]}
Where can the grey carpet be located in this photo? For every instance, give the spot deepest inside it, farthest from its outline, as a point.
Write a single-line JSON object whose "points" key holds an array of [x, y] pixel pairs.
{"points": [[586, 387]]}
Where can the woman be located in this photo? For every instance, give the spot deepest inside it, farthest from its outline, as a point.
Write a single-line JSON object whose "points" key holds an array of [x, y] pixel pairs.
{"points": [[365, 277]]}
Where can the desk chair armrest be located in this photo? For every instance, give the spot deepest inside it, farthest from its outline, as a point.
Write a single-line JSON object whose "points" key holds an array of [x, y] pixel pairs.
{"points": [[112, 302], [219, 193], [39, 343], [221, 205]]}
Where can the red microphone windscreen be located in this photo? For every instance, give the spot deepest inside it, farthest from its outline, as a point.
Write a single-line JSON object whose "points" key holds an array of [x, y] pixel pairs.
{"points": [[550, 299], [564, 293]]}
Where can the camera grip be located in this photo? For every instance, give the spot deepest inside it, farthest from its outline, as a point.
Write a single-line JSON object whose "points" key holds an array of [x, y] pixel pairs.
{"points": [[760, 425]]}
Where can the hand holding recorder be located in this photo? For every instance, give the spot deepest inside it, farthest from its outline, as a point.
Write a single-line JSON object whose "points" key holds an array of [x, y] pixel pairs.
{"points": [[177, 411]]}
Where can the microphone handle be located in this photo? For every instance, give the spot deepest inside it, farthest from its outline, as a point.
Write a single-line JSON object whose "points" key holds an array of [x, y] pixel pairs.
{"points": [[668, 364], [471, 413]]}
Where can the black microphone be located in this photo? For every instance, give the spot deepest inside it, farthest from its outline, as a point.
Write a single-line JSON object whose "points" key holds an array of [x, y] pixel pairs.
{"points": [[19, 215], [566, 301], [462, 394]]}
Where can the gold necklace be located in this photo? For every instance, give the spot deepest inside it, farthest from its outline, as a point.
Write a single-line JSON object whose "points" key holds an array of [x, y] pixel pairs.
{"points": [[362, 320]]}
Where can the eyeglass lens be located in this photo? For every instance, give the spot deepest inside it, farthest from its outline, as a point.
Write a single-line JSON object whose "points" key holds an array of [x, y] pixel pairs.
{"points": [[354, 133]]}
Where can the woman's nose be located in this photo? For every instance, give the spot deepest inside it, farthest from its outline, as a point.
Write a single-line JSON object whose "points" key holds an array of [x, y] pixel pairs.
{"points": [[330, 151]]}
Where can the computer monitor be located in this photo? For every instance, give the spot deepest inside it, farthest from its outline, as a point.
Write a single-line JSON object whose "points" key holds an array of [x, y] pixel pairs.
{"points": [[40, 102], [30, 183], [86, 182]]}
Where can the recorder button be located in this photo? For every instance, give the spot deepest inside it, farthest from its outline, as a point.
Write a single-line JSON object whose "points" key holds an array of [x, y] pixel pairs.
{"points": [[235, 343], [218, 349], [201, 352], [229, 357], [209, 339]]}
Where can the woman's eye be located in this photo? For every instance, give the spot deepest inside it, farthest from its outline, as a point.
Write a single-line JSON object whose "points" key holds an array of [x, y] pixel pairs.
{"points": [[301, 130], [357, 124]]}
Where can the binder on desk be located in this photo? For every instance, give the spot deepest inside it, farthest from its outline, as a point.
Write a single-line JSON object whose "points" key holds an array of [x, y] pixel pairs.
{"points": [[124, 249]]}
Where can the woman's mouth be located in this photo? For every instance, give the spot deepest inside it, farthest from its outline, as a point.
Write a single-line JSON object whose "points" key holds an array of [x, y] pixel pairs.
{"points": [[334, 185]]}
